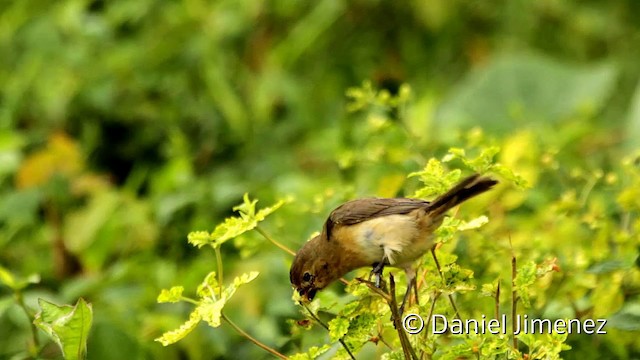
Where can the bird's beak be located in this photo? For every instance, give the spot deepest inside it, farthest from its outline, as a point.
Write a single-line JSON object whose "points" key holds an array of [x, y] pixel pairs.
{"points": [[307, 295]]}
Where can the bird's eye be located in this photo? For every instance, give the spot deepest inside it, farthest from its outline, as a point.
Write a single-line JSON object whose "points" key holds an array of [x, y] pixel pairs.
{"points": [[306, 277]]}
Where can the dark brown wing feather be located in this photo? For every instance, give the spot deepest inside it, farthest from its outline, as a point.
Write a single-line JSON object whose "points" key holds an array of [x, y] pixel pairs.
{"points": [[356, 211], [360, 210]]}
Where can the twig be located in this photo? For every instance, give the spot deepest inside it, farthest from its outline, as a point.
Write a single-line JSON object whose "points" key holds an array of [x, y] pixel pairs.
{"points": [[317, 319], [497, 308], [216, 248], [274, 242], [453, 303], [407, 349], [252, 339], [384, 341], [375, 289], [431, 310], [514, 300]]}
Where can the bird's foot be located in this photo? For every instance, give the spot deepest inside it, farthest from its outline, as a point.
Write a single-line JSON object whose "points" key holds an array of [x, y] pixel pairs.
{"points": [[377, 271]]}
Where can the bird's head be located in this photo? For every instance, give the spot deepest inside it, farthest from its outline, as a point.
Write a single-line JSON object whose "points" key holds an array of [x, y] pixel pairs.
{"points": [[311, 270]]}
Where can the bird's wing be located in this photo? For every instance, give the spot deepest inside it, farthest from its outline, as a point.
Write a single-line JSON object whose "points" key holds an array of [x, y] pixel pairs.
{"points": [[360, 210]]}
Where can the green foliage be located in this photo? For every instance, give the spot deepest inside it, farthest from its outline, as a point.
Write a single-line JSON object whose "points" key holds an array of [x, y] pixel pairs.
{"points": [[172, 295], [484, 163], [126, 125], [434, 179], [212, 298], [67, 325], [212, 295], [17, 283], [234, 226]]}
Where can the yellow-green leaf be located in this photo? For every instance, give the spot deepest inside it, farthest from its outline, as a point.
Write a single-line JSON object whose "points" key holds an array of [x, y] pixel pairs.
{"points": [[173, 336], [172, 295], [473, 224], [15, 282], [234, 226], [211, 311], [338, 327]]}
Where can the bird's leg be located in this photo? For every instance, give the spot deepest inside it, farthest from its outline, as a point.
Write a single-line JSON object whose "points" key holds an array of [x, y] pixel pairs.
{"points": [[377, 271]]}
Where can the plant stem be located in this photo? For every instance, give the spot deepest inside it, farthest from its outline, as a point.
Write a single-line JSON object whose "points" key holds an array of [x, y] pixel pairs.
{"points": [[219, 263], [497, 307], [407, 349], [514, 300], [431, 310], [453, 303], [252, 339], [425, 335], [190, 300], [317, 319], [274, 242], [33, 348]]}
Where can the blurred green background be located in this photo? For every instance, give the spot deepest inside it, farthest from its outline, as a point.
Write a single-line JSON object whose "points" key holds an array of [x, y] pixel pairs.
{"points": [[124, 125]]}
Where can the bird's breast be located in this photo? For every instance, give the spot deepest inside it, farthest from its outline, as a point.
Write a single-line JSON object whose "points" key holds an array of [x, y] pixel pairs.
{"points": [[397, 237]]}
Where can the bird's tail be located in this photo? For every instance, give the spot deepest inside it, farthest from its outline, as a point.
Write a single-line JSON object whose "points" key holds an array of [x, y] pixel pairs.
{"points": [[464, 190]]}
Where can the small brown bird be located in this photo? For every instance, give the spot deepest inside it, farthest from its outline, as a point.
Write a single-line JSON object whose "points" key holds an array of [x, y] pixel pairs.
{"points": [[376, 232]]}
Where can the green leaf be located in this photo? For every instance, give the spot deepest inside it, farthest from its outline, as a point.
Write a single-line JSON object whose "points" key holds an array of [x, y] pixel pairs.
{"points": [[490, 289], [211, 311], [234, 226], [68, 326], [436, 181], [17, 283], [628, 318], [211, 308], [609, 266], [485, 162], [173, 336], [199, 238], [473, 224], [514, 88], [312, 353], [338, 327], [172, 295], [457, 278], [449, 226], [209, 286], [526, 276]]}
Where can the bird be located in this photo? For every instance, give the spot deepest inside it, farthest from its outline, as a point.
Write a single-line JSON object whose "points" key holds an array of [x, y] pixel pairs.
{"points": [[376, 232]]}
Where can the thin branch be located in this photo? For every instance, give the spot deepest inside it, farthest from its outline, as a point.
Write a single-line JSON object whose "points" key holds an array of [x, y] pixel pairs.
{"points": [[453, 303], [514, 300], [407, 349], [219, 262], [190, 300], [33, 348], [274, 242], [375, 289], [384, 341], [252, 339], [317, 319], [431, 310], [497, 307], [429, 317]]}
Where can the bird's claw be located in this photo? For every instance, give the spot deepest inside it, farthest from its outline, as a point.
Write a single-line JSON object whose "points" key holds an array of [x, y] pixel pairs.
{"points": [[377, 271]]}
